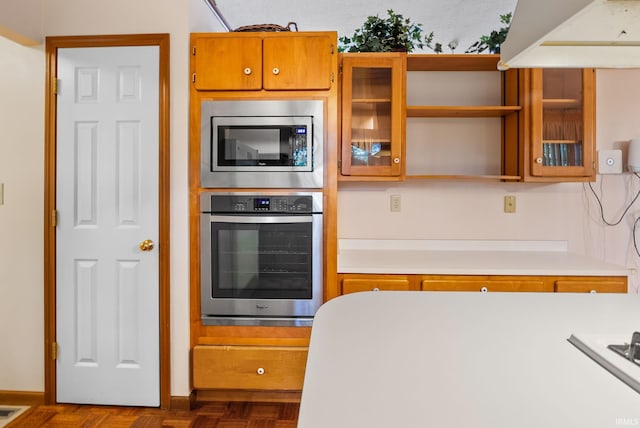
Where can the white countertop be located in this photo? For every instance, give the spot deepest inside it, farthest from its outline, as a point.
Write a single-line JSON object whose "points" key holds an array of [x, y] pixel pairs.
{"points": [[468, 258], [481, 360]]}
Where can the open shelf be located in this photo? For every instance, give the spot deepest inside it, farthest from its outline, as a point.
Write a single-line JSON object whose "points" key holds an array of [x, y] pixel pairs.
{"points": [[465, 177], [458, 107]]}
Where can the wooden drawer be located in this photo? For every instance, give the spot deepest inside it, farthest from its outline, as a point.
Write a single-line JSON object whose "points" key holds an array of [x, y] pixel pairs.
{"points": [[249, 367], [605, 285], [485, 284], [375, 283]]}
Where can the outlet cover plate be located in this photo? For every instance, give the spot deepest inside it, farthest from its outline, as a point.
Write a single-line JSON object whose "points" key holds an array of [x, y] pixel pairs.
{"points": [[610, 161]]}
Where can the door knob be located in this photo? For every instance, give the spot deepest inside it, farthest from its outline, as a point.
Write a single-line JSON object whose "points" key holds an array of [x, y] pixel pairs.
{"points": [[146, 245]]}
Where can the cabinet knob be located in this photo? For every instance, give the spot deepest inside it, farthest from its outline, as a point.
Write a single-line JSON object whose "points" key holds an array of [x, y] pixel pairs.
{"points": [[396, 160], [538, 160], [260, 371], [247, 71], [376, 289], [593, 291], [276, 70], [484, 289]]}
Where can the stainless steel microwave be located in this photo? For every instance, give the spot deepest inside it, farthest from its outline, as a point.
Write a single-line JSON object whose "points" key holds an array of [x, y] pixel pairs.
{"points": [[262, 144]]}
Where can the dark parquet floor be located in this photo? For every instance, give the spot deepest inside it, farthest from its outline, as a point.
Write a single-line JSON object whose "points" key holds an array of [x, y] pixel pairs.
{"points": [[204, 415]]}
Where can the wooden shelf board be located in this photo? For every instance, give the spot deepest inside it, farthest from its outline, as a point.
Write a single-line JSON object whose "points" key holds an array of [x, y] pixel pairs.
{"points": [[460, 111], [368, 178], [452, 62], [371, 100], [561, 103], [560, 142], [370, 140], [463, 177]]}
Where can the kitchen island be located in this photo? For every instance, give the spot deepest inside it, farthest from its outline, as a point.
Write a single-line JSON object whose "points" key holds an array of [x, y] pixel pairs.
{"points": [[485, 360]]}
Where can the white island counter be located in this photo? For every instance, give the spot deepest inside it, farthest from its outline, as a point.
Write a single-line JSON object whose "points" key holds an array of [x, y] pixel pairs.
{"points": [[482, 360]]}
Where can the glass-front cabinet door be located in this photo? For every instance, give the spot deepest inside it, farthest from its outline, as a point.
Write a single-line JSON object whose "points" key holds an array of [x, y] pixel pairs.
{"points": [[373, 124], [563, 123]]}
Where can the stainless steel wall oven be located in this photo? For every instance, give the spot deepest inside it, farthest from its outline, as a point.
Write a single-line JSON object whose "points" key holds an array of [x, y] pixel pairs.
{"points": [[262, 143], [261, 258]]}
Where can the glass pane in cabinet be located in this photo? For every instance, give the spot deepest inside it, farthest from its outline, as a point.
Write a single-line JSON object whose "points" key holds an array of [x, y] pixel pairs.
{"points": [[371, 117], [562, 117]]}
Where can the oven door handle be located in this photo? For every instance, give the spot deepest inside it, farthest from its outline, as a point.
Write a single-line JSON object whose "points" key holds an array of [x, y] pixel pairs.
{"points": [[260, 219]]}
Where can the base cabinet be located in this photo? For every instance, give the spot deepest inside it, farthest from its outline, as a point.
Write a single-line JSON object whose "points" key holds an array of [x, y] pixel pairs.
{"points": [[249, 367], [356, 283], [352, 283], [485, 283], [591, 285]]}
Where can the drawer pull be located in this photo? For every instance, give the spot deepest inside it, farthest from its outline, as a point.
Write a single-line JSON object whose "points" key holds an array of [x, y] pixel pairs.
{"points": [[247, 71], [376, 289], [593, 291], [484, 289], [260, 371]]}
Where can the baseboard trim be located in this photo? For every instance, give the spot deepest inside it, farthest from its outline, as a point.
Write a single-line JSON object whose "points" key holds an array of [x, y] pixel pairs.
{"points": [[182, 402], [22, 398], [248, 395]]}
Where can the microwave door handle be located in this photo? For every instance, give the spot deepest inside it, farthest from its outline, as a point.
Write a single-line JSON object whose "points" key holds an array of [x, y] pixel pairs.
{"points": [[260, 219]]}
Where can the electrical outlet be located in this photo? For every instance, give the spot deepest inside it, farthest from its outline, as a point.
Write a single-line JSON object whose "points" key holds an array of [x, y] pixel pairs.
{"points": [[395, 203], [509, 204]]}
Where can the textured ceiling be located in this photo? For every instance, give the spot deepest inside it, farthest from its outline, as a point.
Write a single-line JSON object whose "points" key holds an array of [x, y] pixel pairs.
{"points": [[461, 20]]}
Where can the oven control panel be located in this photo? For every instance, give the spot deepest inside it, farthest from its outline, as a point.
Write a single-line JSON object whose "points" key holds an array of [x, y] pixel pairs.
{"points": [[234, 203]]}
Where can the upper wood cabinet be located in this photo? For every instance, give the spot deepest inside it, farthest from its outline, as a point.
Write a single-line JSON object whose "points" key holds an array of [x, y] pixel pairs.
{"points": [[373, 124], [561, 131], [270, 61]]}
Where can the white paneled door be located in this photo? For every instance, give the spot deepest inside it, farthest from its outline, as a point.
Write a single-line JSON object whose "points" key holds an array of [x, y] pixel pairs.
{"points": [[107, 285]]}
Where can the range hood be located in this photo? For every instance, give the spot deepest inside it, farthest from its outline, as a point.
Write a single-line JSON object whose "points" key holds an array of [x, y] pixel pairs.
{"points": [[573, 33]]}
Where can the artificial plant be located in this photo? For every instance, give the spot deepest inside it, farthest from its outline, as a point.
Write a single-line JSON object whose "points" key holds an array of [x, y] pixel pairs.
{"points": [[493, 41], [393, 33]]}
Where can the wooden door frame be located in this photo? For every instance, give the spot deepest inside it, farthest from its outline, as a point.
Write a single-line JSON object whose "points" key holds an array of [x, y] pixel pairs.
{"points": [[52, 46]]}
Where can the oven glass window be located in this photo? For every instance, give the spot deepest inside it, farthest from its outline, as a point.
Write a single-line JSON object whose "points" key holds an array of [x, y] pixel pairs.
{"points": [[261, 261], [262, 145]]}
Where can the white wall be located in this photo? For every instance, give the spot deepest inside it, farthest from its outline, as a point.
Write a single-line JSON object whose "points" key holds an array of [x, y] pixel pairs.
{"points": [[22, 21], [21, 222]]}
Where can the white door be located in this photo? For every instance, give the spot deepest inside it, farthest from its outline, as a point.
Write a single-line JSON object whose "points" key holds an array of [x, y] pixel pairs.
{"points": [[107, 297]]}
